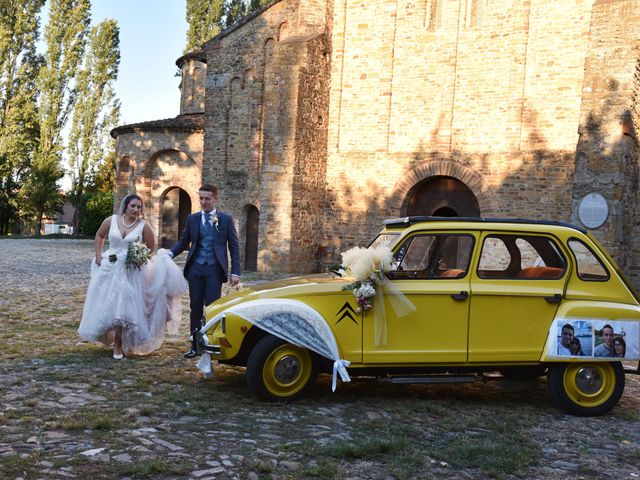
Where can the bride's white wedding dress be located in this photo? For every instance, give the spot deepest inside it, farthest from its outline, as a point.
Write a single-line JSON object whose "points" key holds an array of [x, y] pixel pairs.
{"points": [[143, 302]]}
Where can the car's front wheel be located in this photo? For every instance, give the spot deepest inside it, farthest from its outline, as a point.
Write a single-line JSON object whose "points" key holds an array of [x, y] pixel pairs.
{"points": [[586, 389], [278, 370]]}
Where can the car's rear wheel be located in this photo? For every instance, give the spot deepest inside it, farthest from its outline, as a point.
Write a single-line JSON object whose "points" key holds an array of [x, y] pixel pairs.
{"points": [[278, 370], [586, 389]]}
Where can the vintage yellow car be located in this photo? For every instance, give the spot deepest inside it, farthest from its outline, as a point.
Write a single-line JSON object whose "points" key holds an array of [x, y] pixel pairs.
{"points": [[457, 298]]}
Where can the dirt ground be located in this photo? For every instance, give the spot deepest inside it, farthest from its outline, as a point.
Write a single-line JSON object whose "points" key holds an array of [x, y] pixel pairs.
{"points": [[68, 410]]}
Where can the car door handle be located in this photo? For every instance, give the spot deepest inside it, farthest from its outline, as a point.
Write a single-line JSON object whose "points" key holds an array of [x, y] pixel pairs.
{"points": [[554, 298], [460, 297]]}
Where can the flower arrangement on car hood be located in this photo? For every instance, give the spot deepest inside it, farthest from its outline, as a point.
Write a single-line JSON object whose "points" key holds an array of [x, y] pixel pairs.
{"points": [[367, 265]]}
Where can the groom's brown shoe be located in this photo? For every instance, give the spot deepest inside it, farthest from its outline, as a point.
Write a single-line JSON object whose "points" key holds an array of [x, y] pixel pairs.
{"points": [[191, 353]]}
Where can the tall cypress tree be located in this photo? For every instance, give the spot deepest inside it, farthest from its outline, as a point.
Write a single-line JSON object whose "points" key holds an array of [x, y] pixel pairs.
{"points": [[95, 113], [205, 21], [65, 37], [19, 129]]}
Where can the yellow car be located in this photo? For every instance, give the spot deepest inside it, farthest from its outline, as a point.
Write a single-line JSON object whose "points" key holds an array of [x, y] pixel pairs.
{"points": [[456, 298]]}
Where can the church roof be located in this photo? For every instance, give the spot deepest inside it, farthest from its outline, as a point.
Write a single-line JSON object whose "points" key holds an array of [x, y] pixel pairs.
{"points": [[195, 55], [193, 122]]}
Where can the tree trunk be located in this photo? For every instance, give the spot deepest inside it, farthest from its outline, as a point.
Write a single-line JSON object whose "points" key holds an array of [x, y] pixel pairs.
{"points": [[38, 224]]}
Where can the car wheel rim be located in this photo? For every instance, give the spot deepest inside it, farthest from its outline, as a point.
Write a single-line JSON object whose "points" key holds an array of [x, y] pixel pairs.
{"points": [[589, 385], [287, 370]]}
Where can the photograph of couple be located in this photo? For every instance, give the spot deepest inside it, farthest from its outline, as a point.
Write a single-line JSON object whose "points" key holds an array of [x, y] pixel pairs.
{"points": [[597, 338]]}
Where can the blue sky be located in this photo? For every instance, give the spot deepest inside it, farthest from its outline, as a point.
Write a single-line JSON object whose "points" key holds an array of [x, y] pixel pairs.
{"points": [[152, 37]]}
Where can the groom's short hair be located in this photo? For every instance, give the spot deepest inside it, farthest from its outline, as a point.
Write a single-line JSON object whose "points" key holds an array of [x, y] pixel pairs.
{"points": [[207, 187]]}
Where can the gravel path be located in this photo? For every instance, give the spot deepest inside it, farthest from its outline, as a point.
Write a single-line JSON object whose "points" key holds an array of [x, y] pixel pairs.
{"points": [[68, 411]]}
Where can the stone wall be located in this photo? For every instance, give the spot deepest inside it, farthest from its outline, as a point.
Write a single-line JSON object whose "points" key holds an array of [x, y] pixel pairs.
{"points": [[326, 116], [309, 172], [151, 162], [492, 88], [607, 153], [257, 76]]}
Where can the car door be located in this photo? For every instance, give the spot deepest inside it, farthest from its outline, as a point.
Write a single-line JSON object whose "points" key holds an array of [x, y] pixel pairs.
{"points": [[516, 289], [431, 271]]}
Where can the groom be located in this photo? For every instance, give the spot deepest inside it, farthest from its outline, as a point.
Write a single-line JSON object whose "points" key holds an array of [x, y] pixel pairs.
{"points": [[208, 234]]}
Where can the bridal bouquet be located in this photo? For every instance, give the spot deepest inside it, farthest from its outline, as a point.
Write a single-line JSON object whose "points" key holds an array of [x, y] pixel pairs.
{"points": [[367, 266], [138, 255]]}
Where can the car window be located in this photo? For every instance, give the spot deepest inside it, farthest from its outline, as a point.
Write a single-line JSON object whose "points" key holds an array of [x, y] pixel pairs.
{"points": [[384, 240], [588, 266], [433, 256], [495, 257], [521, 257]]}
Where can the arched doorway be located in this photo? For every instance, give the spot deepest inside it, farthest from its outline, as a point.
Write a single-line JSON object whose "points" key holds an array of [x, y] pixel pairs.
{"points": [[442, 196], [176, 207], [251, 239]]}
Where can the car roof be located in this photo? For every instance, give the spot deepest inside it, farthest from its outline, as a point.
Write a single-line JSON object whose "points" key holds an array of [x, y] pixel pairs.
{"points": [[473, 222]]}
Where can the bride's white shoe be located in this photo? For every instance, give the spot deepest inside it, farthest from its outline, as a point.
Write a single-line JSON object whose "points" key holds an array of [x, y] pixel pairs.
{"points": [[118, 356]]}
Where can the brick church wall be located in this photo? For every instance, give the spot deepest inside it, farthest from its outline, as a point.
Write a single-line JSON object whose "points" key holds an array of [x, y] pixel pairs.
{"points": [[607, 153], [257, 76], [495, 97], [151, 162]]}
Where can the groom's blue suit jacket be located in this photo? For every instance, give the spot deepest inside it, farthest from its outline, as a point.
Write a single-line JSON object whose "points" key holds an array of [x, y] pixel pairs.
{"points": [[225, 237]]}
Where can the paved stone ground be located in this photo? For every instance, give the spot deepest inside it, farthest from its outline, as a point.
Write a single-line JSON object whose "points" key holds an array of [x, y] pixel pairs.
{"points": [[68, 411]]}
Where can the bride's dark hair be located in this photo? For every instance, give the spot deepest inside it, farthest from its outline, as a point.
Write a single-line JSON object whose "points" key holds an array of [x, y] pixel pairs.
{"points": [[127, 200]]}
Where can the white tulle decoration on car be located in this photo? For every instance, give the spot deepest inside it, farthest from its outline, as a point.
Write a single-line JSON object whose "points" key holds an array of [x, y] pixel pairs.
{"points": [[291, 320]]}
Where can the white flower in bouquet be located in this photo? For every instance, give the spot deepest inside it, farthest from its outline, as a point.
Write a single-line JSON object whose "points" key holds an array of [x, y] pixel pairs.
{"points": [[366, 290], [138, 255], [363, 267]]}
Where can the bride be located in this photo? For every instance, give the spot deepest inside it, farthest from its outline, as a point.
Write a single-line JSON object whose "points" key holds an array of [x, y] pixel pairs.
{"points": [[127, 304]]}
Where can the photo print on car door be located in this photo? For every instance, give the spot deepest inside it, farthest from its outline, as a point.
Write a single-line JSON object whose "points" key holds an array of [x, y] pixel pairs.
{"points": [[574, 339], [595, 338]]}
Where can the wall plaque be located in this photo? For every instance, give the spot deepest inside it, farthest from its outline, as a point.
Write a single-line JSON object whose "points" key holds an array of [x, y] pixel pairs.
{"points": [[593, 210]]}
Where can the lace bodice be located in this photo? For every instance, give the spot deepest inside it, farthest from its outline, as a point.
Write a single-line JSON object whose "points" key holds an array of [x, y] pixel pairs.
{"points": [[117, 242]]}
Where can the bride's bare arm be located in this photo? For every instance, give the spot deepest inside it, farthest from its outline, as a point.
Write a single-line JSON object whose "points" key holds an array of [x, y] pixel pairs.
{"points": [[101, 235], [147, 237]]}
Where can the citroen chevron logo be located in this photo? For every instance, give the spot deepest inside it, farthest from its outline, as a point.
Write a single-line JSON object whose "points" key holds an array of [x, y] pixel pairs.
{"points": [[346, 311]]}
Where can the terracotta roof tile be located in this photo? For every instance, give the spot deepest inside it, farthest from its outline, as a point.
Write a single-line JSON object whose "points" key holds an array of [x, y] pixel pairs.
{"points": [[182, 123]]}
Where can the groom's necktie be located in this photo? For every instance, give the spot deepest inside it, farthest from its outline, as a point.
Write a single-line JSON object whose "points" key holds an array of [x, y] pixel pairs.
{"points": [[207, 222]]}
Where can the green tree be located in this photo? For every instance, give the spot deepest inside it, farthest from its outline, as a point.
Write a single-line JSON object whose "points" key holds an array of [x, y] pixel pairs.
{"points": [[99, 196], [205, 21], [65, 36], [234, 11], [96, 112], [19, 129]]}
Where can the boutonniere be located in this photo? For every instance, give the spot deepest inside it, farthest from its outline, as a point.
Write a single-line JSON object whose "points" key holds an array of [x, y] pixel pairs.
{"points": [[214, 220]]}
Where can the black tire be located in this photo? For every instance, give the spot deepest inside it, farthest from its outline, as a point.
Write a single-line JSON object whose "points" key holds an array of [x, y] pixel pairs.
{"points": [[278, 370], [586, 388]]}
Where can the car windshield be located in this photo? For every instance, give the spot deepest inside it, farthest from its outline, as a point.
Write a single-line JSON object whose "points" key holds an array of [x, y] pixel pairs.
{"points": [[384, 240]]}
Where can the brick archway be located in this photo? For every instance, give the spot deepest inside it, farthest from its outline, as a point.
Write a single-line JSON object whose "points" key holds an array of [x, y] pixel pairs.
{"points": [[406, 186]]}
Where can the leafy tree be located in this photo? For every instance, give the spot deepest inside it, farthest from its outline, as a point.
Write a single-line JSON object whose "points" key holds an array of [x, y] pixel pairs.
{"points": [[97, 207], [19, 127], [206, 18], [205, 21], [65, 37], [95, 113], [234, 11], [99, 196]]}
